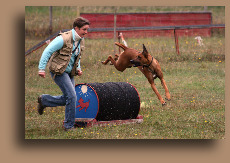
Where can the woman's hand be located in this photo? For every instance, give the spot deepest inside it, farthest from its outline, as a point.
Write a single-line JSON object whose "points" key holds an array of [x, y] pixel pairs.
{"points": [[79, 72], [42, 74]]}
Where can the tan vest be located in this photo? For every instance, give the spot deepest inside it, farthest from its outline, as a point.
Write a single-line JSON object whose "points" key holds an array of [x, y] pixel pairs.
{"points": [[59, 60]]}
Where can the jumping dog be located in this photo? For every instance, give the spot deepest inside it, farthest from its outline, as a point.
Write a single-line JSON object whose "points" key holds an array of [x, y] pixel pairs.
{"points": [[147, 64]]}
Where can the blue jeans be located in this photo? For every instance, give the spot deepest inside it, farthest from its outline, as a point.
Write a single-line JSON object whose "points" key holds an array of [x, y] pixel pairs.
{"points": [[67, 85]]}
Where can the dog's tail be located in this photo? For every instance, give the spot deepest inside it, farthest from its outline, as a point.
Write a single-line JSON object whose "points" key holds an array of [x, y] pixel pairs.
{"points": [[121, 45]]}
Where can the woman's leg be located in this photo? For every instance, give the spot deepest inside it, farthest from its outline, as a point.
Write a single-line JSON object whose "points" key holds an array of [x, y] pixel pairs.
{"points": [[68, 99]]}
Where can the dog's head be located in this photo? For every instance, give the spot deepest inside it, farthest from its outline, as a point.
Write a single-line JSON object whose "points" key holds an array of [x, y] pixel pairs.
{"points": [[141, 59]]}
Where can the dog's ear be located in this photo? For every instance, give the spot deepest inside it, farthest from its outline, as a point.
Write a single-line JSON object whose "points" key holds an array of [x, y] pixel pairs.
{"points": [[145, 52]]}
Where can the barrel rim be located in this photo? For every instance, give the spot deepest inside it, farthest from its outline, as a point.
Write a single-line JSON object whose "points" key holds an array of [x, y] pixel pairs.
{"points": [[95, 94]]}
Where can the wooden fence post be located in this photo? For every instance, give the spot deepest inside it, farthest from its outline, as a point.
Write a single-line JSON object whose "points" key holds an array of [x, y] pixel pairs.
{"points": [[78, 11], [119, 40], [51, 26], [176, 41], [115, 26]]}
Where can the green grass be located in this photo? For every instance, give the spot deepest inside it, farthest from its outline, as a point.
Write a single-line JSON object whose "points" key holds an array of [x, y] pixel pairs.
{"points": [[195, 78]]}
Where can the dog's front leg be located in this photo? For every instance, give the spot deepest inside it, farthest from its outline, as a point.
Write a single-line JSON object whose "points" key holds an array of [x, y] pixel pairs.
{"points": [[166, 89], [150, 78], [157, 93]]}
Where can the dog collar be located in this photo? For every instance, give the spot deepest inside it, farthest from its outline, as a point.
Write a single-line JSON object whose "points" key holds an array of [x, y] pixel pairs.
{"points": [[152, 71], [148, 64]]}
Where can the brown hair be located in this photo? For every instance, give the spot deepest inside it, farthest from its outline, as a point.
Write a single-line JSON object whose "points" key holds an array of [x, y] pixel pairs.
{"points": [[80, 22]]}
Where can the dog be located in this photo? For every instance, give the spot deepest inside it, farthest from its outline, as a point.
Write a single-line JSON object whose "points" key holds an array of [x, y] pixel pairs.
{"points": [[83, 104], [147, 64]]}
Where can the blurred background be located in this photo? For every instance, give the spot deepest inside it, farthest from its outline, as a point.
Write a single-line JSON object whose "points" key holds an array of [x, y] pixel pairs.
{"points": [[38, 19]]}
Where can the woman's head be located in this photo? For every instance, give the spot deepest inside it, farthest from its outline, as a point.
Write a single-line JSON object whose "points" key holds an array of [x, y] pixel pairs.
{"points": [[81, 26], [80, 22]]}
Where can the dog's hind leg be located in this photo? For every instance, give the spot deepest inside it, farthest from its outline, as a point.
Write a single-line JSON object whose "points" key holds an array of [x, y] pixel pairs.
{"points": [[110, 58], [107, 60], [116, 64], [115, 58]]}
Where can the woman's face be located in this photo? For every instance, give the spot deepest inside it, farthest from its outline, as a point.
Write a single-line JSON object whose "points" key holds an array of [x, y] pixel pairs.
{"points": [[82, 31]]}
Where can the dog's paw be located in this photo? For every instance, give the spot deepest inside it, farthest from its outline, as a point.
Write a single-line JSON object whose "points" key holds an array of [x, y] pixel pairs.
{"points": [[163, 104], [168, 99]]}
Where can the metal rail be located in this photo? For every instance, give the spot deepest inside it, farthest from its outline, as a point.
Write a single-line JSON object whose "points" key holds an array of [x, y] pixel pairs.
{"points": [[157, 28], [37, 46], [40, 44]]}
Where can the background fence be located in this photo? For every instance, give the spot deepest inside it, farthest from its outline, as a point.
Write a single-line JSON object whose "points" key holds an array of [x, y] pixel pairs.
{"points": [[149, 24], [139, 25]]}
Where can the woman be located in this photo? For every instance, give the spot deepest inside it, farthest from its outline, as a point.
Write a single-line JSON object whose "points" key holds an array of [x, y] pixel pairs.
{"points": [[63, 58]]}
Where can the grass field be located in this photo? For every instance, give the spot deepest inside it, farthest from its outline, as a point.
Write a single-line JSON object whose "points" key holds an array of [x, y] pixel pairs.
{"points": [[195, 78]]}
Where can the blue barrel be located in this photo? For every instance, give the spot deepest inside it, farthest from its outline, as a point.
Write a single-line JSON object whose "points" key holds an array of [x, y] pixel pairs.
{"points": [[107, 101]]}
